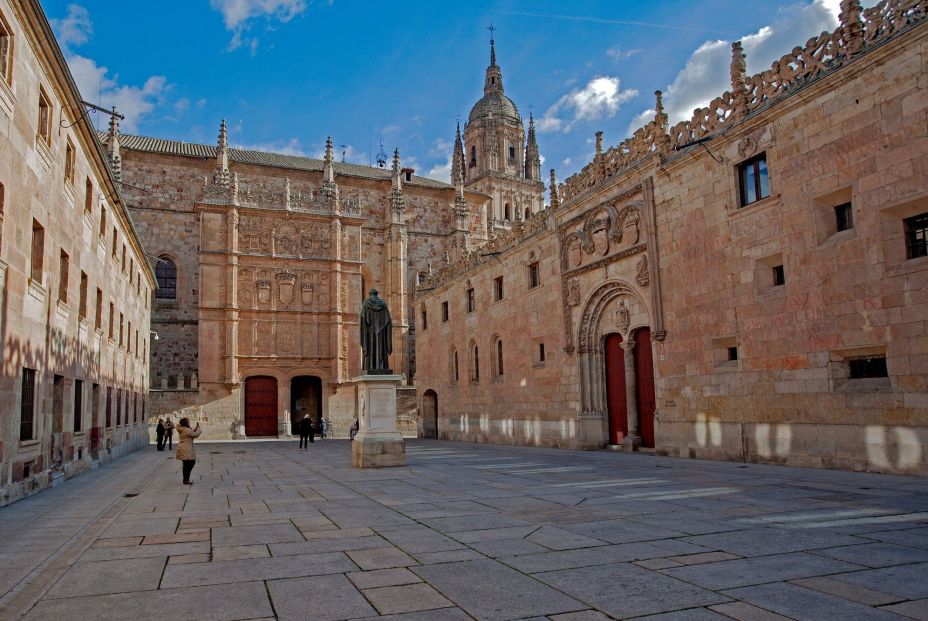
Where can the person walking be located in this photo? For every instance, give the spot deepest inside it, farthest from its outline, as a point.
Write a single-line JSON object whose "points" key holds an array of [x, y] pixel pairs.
{"points": [[323, 428], [168, 433], [185, 451], [306, 431], [159, 433]]}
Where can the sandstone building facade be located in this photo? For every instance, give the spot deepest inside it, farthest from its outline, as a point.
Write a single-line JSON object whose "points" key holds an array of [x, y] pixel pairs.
{"points": [[74, 281], [749, 284], [263, 260]]}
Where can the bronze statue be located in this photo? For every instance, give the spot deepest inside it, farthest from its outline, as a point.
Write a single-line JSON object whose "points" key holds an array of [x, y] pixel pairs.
{"points": [[376, 336]]}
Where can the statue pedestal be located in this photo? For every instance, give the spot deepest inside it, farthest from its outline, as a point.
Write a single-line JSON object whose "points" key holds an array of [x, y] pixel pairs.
{"points": [[378, 443]]}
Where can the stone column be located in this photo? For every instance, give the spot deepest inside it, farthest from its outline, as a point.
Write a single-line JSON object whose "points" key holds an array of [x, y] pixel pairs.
{"points": [[633, 439], [283, 408]]}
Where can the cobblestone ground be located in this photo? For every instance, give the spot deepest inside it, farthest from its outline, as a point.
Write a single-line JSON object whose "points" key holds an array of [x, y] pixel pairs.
{"points": [[465, 531]]}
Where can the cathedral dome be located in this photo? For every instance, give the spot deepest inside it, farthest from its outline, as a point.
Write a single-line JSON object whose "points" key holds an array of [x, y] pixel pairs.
{"points": [[496, 104]]}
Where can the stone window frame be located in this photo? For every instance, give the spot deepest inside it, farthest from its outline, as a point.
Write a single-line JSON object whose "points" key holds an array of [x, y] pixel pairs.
{"points": [[764, 284], [70, 162], [915, 227], [824, 216], [166, 270], [454, 369], [499, 293], [721, 359], [753, 163], [43, 130], [474, 351], [498, 366], [839, 371], [7, 49], [533, 274], [470, 300], [892, 236], [77, 413], [445, 312], [98, 311], [423, 318], [64, 273], [29, 383], [37, 256]]}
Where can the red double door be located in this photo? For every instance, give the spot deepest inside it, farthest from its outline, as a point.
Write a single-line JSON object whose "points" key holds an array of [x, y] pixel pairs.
{"points": [[616, 396], [260, 406]]}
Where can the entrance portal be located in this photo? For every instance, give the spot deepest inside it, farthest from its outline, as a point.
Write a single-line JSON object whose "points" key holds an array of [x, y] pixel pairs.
{"points": [[644, 376], [260, 406], [616, 400], [305, 398], [430, 414]]}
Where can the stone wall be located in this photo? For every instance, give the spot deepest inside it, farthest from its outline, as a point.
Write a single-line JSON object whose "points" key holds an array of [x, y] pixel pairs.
{"points": [[66, 242]]}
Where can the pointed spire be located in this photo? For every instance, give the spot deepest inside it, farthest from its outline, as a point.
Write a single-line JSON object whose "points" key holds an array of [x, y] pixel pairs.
{"points": [[738, 70], [221, 173], [328, 170], [555, 201], [494, 79], [112, 146], [457, 157], [660, 117], [396, 194], [532, 156]]}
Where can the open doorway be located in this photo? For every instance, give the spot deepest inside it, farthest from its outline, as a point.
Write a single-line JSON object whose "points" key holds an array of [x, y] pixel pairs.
{"points": [[305, 398]]}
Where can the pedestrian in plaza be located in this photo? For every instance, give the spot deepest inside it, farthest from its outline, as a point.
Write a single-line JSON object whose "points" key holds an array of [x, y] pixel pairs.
{"points": [[306, 431], [354, 428], [159, 434], [168, 433], [185, 451], [323, 428]]}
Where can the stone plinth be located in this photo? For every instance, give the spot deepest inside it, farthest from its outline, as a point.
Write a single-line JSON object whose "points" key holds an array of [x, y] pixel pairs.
{"points": [[378, 443]]}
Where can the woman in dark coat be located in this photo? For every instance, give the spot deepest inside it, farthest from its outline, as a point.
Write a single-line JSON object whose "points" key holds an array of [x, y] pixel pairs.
{"points": [[306, 431], [159, 433]]}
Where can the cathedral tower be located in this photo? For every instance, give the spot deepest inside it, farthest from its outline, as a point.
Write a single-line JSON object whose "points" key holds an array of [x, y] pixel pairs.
{"points": [[497, 160]]}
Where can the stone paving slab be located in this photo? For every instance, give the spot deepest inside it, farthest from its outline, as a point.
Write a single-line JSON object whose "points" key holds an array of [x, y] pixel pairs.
{"points": [[270, 532]]}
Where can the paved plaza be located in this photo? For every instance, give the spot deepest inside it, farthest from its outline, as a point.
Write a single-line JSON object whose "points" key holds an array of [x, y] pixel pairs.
{"points": [[465, 531]]}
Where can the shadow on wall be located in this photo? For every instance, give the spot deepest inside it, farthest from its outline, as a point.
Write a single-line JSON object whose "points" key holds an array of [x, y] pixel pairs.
{"points": [[878, 447]]}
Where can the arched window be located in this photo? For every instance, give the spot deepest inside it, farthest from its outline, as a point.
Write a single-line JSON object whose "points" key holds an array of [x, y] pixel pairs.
{"points": [[473, 156], [499, 357], [474, 362], [454, 364], [166, 275]]}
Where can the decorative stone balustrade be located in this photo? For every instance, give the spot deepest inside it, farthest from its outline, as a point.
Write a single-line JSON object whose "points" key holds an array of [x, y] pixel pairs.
{"points": [[860, 31], [321, 201]]}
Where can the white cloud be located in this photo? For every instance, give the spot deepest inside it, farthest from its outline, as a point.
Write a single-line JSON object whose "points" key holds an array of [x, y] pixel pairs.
{"points": [[441, 171], [285, 147], [600, 98], [75, 28], [135, 102], [618, 54], [639, 121], [238, 16], [706, 73]]}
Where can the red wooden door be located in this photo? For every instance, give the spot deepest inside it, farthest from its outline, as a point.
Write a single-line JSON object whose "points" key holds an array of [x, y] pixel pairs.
{"points": [[615, 389], [644, 378], [261, 406]]}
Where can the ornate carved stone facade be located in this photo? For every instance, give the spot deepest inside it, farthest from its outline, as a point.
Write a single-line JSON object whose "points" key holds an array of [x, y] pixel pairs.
{"points": [[661, 305]]}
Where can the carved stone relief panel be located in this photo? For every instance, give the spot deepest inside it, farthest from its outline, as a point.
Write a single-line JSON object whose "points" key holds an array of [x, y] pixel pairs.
{"points": [[286, 283], [246, 288], [287, 343]]}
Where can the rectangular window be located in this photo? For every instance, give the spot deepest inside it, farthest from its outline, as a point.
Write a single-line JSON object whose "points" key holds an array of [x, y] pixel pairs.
{"points": [[64, 266], [82, 298], [123, 260], [88, 196], [129, 337], [868, 367], [541, 352], [753, 179], [118, 407], [112, 320], [470, 300], [27, 408], [38, 251], [109, 407], [98, 316], [115, 242], [44, 131], [78, 404], [444, 311], [69, 162], [512, 154], [534, 276], [121, 324], [102, 222], [779, 276], [844, 217], [732, 353], [425, 320], [6, 51], [916, 236], [498, 288]]}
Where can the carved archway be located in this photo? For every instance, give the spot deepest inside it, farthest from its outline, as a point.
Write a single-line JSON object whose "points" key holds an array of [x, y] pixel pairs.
{"points": [[614, 307]]}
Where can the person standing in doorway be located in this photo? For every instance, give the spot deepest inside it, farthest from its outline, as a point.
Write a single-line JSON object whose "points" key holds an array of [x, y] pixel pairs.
{"points": [[306, 431], [168, 433], [159, 434], [185, 451]]}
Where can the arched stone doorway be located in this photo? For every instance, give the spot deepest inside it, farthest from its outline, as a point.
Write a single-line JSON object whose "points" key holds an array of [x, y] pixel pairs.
{"points": [[305, 398], [616, 400], [260, 406], [430, 414]]}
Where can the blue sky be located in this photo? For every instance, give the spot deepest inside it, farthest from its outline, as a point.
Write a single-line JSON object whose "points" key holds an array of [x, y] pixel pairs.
{"points": [[287, 73]]}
